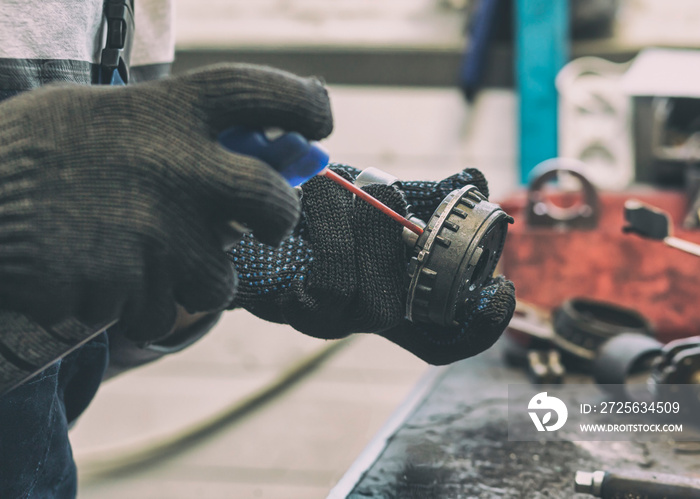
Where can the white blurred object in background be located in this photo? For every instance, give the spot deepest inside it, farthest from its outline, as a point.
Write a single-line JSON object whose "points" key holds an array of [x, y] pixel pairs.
{"points": [[594, 121]]}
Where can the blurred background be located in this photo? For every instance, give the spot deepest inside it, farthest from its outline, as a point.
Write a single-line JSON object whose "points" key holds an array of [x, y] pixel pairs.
{"points": [[421, 89]]}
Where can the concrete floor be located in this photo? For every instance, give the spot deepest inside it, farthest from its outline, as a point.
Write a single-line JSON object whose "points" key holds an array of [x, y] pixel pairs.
{"points": [[301, 443]]}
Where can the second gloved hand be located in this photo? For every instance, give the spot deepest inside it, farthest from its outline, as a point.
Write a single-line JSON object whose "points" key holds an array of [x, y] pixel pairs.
{"points": [[345, 271], [116, 202]]}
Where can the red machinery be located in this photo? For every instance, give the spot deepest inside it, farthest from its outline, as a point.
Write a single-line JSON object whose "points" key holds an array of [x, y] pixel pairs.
{"points": [[576, 248]]}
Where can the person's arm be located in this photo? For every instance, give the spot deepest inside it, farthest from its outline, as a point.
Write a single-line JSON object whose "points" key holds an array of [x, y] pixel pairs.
{"points": [[115, 203]]}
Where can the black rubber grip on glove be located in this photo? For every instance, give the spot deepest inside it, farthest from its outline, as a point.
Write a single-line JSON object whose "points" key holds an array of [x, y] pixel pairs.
{"points": [[345, 271]]}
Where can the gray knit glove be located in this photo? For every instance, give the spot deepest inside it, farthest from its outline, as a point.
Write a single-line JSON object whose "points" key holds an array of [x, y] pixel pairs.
{"points": [[116, 202], [345, 271]]}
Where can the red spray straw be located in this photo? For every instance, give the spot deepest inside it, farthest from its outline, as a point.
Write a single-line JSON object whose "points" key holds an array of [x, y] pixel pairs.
{"points": [[371, 200]]}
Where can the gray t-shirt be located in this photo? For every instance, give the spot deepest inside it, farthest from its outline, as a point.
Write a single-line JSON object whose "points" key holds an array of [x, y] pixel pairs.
{"points": [[60, 40]]}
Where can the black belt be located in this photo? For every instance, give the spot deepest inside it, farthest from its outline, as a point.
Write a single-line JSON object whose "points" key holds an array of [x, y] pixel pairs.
{"points": [[116, 55]]}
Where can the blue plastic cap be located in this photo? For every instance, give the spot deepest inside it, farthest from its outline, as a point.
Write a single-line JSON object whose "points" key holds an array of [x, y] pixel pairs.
{"points": [[295, 158]]}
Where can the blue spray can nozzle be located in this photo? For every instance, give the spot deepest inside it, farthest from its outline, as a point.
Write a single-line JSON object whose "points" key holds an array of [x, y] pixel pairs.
{"points": [[294, 157]]}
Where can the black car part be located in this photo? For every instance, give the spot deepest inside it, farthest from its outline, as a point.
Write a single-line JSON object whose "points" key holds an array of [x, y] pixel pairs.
{"points": [[455, 256]]}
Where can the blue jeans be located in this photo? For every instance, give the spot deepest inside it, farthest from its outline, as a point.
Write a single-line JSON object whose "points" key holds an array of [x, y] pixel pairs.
{"points": [[35, 455]]}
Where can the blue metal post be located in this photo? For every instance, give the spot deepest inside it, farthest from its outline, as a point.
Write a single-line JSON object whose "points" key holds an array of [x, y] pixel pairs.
{"points": [[541, 50]]}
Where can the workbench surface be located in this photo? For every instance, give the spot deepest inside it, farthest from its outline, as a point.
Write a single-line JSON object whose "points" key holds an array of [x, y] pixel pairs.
{"points": [[454, 443]]}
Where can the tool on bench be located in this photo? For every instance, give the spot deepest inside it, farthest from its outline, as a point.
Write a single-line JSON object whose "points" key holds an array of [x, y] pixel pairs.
{"points": [[678, 364], [623, 365], [545, 367], [638, 368], [577, 329], [648, 221], [609, 485], [531, 344], [615, 344], [454, 253]]}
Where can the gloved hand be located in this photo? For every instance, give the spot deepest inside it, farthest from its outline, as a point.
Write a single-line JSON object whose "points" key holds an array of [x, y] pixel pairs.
{"points": [[115, 201], [344, 270]]}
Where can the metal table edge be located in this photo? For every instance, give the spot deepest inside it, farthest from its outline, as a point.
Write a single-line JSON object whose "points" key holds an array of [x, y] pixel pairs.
{"points": [[376, 447]]}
